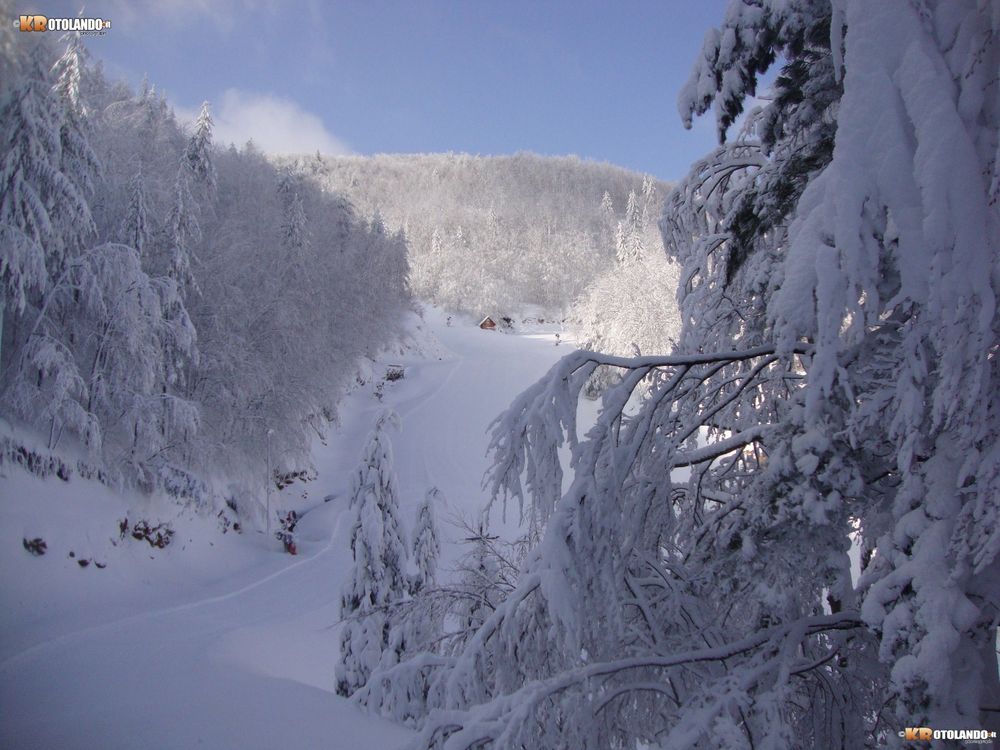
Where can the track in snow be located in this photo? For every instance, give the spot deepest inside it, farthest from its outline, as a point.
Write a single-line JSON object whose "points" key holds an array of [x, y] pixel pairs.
{"points": [[251, 666]]}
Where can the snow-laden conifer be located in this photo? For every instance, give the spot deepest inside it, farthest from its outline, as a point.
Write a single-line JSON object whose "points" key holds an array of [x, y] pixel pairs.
{"points": [[183, 231], [43, 209], [426, 545], [378, 575], [135, 226], [294, 227], [198, 153]]}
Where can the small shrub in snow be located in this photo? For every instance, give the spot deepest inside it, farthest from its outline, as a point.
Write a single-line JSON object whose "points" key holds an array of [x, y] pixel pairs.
{"points": [[158, 536], [36, 546]]}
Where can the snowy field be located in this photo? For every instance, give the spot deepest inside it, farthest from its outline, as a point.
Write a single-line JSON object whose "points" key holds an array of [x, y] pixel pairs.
{"points": [[223, 640]]}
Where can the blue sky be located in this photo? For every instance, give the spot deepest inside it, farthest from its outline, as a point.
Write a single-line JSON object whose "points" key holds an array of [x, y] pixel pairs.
{"points": [[596, 79]]}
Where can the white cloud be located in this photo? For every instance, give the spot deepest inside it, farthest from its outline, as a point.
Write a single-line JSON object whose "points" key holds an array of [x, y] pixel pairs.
{"points": [[275, 125]]}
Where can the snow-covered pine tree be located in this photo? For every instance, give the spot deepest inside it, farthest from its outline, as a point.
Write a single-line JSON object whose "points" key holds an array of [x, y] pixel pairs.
{"points": [[30, 122], [438, 621], [135, 226], [650, 214], [378, 576], [607, 209], [198, 153], [836, 383], [294, 228], [629, 243], [183, 231], [78, 158], [480, 574], [426, 546], [419, 621], [416, 629]]}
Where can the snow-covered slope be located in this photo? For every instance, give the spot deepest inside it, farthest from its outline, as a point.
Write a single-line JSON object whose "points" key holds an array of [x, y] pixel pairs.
{"points": [[223, 640]]}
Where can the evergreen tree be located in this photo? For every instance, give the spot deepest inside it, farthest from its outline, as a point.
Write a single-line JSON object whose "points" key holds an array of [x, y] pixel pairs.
{"points": [[294, 228], [198, 153], [135, 227], [479, 581], [426, 547], [78, 158], [651, 209], [183, 231], [378, 577], [607, 207], [629, 240], [30, 120]]}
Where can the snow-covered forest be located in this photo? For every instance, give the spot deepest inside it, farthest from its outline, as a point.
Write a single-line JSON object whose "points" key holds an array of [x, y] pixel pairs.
{"points": [[746, 496], [488, 235], [578, 240], [171, 310]]}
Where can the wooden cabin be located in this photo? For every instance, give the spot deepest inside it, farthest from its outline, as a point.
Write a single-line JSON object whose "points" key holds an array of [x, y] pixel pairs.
{"points": [[488, 324]]}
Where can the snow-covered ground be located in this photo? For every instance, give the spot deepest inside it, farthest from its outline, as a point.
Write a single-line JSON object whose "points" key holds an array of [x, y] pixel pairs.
{"points": [[223, 640]]}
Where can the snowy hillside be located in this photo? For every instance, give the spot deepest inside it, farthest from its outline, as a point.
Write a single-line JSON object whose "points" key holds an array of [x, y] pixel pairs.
{"points": [[489, 233], [223, 640]]}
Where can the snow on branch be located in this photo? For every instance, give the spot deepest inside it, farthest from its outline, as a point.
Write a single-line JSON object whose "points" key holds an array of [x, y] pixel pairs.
{"points": [[506, 719], [526, 439]]}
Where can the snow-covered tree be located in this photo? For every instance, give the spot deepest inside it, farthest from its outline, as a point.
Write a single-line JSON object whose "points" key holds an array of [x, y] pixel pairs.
{"points": [[629, 237], [30, 124], [438, 621], [479, 581], [835, 385], [629, 310], [607, 207], [78, 158], [294, 227], [416, 628], [133, 329], [135, 227], [651, 205], [198, 153], [183, 231], [426, 546], [43, 209], [378, 576]]}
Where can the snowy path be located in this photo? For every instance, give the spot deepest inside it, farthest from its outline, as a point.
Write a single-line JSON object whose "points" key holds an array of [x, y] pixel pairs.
{"points": [[246, 660]]}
